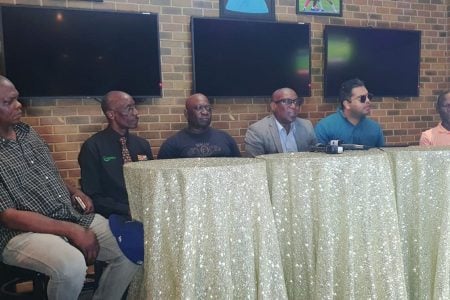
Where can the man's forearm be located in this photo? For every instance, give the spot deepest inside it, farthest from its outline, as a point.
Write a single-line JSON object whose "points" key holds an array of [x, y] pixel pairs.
{"points": [[27, 221]]}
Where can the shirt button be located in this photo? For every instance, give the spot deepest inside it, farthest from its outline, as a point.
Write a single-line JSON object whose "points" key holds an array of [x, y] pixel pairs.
{"points": [[59, 196], [46, 177], [32, 162]]}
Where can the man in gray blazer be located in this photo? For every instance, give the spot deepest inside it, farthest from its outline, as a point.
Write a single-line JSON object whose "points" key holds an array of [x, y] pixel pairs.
{"points": [[282, 131]]}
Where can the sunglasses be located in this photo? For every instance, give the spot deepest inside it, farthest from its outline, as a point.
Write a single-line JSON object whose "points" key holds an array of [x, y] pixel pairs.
{"points": [[363, 98], [289, 102]]}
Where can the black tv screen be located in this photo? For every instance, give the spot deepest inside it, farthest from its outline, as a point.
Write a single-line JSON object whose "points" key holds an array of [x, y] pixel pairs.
{"points": [[249, 58], [53, 52], [387, 60]]}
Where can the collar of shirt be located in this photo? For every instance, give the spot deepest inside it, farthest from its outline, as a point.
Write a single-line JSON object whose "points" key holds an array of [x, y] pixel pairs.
{"points": [[115, 134], [288, 142], [282, 129], [441, 129], [20, 129], [341, 113]]}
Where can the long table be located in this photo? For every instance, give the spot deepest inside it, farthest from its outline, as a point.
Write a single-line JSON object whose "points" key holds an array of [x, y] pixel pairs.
{"points": [[359, 225]]}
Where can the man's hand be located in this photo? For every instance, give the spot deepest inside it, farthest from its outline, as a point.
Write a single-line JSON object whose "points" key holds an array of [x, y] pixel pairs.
{"points": [[85, 199], [85, 241]]}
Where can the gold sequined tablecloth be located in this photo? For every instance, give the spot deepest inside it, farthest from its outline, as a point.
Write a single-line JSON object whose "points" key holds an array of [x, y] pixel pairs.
{"points": [[337, 225], [422, 180], [209, 230]]}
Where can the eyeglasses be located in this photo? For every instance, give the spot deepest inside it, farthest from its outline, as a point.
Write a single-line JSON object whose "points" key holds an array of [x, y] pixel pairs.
{"points": [[363, 98], [200, 108], [289, 102], [445, 106]]}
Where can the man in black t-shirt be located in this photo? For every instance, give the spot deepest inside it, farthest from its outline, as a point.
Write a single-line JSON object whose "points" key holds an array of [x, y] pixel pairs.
{"points": [[199, 139]]}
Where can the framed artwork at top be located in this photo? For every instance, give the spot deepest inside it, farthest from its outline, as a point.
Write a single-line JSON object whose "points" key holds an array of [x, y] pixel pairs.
{"points": [[320, 7], [248, 9]]}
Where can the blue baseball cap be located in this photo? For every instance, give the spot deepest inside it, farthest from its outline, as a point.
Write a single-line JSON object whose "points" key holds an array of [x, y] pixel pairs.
{"points": [[130, 237]]}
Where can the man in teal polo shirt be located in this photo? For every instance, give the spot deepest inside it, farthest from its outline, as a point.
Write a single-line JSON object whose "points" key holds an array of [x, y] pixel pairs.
{"points": [[350, 124]]}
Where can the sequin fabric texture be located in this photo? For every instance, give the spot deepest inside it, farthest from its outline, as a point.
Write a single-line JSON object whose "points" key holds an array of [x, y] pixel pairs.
{"points": [[421, 176], [209, 230], [337, 225], [358, 225]]}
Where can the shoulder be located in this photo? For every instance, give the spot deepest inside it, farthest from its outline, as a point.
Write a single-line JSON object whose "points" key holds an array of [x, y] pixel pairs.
{"points": [[100, 135], [331, 117], [181, 134], [303, 122], [329, 120], [428, 132], [97, 140], [426, 137], [219, 132], [372, 123], [31, 134], [173, 139], [264, 123], [137, 139]]}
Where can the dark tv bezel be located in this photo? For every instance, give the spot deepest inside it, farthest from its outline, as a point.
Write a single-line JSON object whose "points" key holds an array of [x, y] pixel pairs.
{"points": [[194, 86], [139, 98], [334, 98]]}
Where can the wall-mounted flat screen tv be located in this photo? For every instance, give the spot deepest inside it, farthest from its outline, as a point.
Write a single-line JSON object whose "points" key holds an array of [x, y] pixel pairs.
{"points": [[54, 52], [236, 58], [387, 60]]}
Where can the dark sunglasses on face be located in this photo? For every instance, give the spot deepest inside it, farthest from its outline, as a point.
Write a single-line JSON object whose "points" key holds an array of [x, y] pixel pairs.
{"points": [[363, 98], [289, 102]]}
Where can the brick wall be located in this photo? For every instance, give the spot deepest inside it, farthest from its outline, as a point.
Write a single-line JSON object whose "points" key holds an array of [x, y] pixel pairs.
{"points": [[65, 124]]}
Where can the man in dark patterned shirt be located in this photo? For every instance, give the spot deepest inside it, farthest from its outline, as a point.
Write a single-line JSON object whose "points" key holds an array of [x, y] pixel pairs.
{"points": [[39, 227], [101, 159]]}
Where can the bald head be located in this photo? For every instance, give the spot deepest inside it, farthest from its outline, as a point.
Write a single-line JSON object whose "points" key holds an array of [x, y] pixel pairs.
{"points": [[120, 110], [114, 98], [194, 99], [5, 81], [198, 113], [280, 93]]}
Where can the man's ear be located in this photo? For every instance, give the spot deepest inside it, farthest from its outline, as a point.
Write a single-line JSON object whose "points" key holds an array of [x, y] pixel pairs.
{"points": [[109, 115], [346, 104], [272, 106]]}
